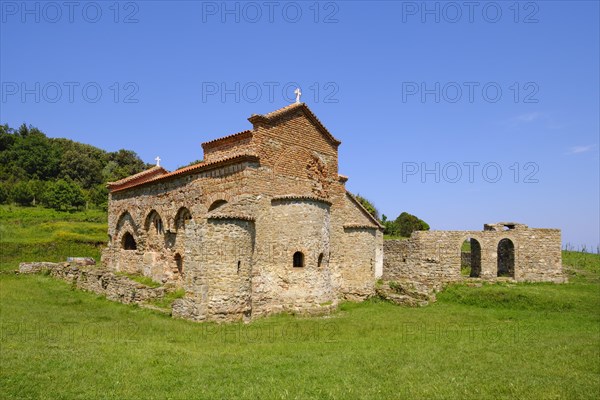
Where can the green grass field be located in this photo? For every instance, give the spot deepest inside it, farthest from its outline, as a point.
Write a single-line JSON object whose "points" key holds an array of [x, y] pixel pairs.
{"points": [[503, 341]]}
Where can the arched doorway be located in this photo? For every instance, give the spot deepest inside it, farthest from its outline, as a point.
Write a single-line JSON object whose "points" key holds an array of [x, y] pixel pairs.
{"points": [[470, 257], [506, 258]]}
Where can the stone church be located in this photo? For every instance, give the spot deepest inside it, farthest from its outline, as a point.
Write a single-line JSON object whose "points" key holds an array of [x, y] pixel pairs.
{"points": [[264, 224]]}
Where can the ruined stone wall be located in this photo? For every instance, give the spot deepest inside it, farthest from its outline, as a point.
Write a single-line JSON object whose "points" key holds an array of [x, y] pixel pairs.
{"points": [[97, 280], [357, 255], [540, 256], [435, 256]]}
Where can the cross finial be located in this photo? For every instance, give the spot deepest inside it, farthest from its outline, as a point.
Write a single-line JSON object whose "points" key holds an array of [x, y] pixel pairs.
{"points": [[157, 159], [298, 93]]}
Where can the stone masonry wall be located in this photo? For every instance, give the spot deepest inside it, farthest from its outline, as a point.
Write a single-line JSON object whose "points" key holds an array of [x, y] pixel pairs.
{"points": [[97, 280], [290, 226], [218, 273], [435, 256]]}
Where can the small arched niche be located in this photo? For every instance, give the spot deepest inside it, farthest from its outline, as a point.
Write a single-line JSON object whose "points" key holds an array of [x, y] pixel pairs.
{"points": [[182, 218], [178, 264], [298, 260], [128, 242]]}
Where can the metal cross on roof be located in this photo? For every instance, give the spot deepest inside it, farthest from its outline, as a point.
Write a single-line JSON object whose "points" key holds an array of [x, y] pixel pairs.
{"points": [[157, 159], [298, 93]]}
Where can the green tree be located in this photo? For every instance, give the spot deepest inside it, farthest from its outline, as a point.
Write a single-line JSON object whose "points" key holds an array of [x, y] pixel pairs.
{"points": [[389, 227], [36, 154], [128, 163], [38, 188], [22, 193], [64, 195], [4, 193], [408, 223], [29, 160], [98, 195]]}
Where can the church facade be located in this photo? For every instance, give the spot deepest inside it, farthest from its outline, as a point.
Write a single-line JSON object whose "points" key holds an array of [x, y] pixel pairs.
{"points": [[264, 224]]}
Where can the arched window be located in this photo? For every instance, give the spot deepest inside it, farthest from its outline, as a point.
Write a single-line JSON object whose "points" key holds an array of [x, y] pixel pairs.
{"points": [[182, 218], [217, 204], [179, 263], [158, 225], [320, 261], [128, 242], [153, 219], [298, 259]]}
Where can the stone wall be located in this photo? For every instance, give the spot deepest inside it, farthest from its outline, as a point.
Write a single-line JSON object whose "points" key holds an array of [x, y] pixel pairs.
{"points": [[435, 256], [97, 280]]}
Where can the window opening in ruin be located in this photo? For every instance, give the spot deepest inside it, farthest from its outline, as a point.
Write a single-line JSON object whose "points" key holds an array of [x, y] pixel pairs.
{"points": [[128, 242], [320, 261], [179, 263], [470, 258], [182, 218], [298, 259], [216, 204], [506, 258], [238, 266], [159, 226]]}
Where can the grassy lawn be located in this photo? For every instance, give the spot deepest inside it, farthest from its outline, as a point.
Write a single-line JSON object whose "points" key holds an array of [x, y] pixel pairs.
{"points": [[526, 341], [36, 233]]}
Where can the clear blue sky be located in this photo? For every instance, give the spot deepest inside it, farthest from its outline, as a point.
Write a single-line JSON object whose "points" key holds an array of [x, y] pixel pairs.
{"points": [[405, 86]]}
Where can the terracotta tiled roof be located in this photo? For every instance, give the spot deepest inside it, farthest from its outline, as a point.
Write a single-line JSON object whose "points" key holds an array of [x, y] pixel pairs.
{"points": [[283, 110], [359, 226], [301, 197], [235, 135], [139, 177], [290, 108], [368, 214], [231, 216], [199, 167]]}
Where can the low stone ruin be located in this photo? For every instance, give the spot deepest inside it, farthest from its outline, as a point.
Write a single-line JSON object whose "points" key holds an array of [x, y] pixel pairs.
{"points": [[501, 251], [97, 280]]}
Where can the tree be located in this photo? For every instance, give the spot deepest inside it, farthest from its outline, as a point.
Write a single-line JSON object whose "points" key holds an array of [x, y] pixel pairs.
{"points": [[408, 223], [64, 195], [38, 188], [98, 195], [128, 164], [37, 155], [22, 193], [29, 160], [82, 167], [368, 205], [4, 193], [389, 227]]}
